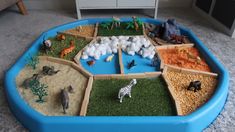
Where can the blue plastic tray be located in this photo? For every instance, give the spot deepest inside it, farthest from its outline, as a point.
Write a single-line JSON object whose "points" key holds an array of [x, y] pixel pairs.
{"points": [[196, 121]]}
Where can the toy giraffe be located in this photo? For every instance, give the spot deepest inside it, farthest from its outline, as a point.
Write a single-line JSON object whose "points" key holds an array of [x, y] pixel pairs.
{"points": [[126, 90], [135, 23], [67, 50]]}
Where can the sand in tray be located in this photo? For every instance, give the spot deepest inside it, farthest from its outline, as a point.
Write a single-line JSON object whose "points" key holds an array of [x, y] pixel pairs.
{"points": [[67, 76]]}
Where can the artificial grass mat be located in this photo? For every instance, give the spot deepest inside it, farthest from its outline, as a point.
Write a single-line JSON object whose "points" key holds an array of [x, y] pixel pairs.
{"points": [[58, 46], [119, 31], [150, 97]]}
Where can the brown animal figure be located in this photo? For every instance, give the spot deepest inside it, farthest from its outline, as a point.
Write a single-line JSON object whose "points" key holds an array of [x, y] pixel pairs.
{"points": [[60, 37], [70, 89], [47, 70], [79, 28], [27, 81], [91, 62], [136, 25], [68, 50], [177, 39], [64, 99]]}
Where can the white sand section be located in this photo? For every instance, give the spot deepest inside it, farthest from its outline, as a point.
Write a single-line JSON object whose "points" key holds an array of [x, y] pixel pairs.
{"points": [[67, 76]]}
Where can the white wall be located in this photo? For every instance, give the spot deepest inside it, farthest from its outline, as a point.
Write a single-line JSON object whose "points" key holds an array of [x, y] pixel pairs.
{"points": [[70, 4]]}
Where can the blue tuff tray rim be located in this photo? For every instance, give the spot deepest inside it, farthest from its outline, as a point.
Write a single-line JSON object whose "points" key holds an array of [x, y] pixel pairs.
{"points": [[28, 116]]}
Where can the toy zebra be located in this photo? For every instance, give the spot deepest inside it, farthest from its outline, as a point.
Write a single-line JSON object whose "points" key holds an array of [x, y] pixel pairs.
{"points": [[126, 90]]}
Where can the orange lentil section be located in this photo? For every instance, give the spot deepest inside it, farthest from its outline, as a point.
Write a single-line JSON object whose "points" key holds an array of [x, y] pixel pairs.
{"points": [[184, 57]]}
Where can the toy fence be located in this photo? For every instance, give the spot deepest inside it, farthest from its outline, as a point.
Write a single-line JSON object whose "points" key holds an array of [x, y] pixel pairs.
{"points": [[181, 70]]}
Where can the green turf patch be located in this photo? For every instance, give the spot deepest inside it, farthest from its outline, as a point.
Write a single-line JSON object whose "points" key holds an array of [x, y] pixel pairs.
{"points": [[58, 46], [150, 97], [119, 31]]}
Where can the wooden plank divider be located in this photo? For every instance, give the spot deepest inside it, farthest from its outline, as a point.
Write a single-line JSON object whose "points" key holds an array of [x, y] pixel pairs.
{"points": [[86, 97]]}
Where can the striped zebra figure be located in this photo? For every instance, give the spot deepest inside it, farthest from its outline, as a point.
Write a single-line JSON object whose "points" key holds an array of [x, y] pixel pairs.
{"points": [[126, 90]]}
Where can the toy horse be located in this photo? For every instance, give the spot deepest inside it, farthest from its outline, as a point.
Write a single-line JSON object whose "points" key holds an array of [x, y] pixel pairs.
{"points": [[126, 90]]}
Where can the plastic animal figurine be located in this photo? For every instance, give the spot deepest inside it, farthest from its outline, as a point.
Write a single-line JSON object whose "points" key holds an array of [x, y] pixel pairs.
{"points": [[194, 86], [46, 46], [109, 58], [67, 50], [131, 64], [91, 62], [47, 70], [27, 81], [70, 89], [177, 39], [155, 60], [64, 99], [60, 37], [115, 22], [79, 28], [126, 90], [136, 25]]}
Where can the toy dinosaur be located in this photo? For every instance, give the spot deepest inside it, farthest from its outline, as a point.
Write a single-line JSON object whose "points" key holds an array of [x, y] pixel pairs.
{"points": [[67, 50], [131, 64], [47, 70], [109, 58]]}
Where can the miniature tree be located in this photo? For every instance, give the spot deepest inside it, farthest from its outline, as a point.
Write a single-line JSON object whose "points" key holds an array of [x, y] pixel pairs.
{"points": [[139, 22], [130, 25], [105, 25], [38, 89], [33, 61]]}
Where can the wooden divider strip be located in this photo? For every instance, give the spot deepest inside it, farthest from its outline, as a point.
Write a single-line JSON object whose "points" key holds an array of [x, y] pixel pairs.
{"points": [[127, 76], [96, 29], [120, 60], [174, 46], [86, 97], [191, 71]]}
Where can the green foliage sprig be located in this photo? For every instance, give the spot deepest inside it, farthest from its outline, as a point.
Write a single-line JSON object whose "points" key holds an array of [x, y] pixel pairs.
{"points": [[33, 61], [38, 89]]}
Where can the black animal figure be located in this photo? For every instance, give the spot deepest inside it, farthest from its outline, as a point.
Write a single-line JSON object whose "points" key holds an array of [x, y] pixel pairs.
{"points": [[131, 64], [27, 81], [47, 70], [194, 86], [46, 46], [64, 99]]}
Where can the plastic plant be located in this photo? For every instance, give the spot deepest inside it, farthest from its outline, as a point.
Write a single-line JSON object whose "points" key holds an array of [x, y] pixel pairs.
{"points": [[105, 25], [33, 61], [130, 25], [38, 89], [137, 19]]}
